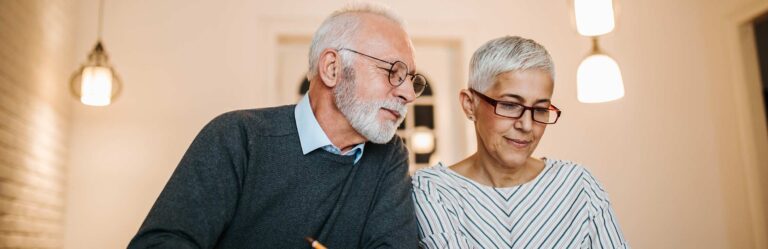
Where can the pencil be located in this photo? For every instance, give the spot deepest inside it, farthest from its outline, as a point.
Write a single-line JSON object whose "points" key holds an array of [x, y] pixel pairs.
{"points": [[314, 243]]}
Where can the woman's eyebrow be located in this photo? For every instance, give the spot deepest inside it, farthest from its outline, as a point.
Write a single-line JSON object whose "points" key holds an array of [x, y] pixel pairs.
{"points": [[514, 96], [543, 101], [521, 99]]}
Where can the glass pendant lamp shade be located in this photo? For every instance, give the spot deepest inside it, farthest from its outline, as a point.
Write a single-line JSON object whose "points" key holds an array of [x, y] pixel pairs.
{"points": [[594, 17], [423, 140], [598, 79], [96, 86], [96, 83]]}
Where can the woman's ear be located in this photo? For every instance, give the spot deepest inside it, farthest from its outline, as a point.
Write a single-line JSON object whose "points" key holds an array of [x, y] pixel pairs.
{"points": [[467, 104], [329, 67]]}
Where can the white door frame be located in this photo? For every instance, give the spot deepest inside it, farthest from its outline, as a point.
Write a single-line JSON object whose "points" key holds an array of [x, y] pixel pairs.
{"points": [[272, 30], [746, 90]]}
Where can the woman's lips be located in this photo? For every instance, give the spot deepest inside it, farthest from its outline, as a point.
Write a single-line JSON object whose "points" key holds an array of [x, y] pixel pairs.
{"points": [[518, 143]]}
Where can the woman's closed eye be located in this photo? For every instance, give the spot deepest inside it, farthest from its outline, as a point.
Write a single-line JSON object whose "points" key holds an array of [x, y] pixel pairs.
{"points": [[541, 110], [510, 106]]}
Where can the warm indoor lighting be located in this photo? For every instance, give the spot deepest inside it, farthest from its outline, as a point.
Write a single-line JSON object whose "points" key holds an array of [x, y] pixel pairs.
{"points": [[423, 140], [96, 83], [598, 79], [593, 17], [96, 87]]}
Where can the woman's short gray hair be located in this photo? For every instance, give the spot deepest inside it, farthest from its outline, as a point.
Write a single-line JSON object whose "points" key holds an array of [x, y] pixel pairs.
{"points": [[338, 29], [506, 54]]}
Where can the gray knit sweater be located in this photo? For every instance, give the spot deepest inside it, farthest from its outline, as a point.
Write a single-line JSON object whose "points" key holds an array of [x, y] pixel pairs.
{"points": [[244, 183]]}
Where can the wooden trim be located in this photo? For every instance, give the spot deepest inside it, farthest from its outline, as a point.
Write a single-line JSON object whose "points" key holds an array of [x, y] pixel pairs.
{"points": [[753, 139]]}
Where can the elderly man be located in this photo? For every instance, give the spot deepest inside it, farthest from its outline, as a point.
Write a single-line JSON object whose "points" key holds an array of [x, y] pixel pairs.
{"points": [[329, 168]]}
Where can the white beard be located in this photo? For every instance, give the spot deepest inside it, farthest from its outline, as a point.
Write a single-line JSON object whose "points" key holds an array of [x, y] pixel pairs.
{"points": [[362, 114]]}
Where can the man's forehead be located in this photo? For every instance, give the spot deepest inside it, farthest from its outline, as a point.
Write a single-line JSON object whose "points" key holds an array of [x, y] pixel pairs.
{"points": [[387, 41]]}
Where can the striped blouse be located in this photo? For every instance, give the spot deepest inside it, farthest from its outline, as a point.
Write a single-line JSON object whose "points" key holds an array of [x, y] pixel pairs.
{"points": [[563, 207]]}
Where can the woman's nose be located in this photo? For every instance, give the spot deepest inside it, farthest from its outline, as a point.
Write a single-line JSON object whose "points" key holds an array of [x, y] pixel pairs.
{"points": [[525, 122]]}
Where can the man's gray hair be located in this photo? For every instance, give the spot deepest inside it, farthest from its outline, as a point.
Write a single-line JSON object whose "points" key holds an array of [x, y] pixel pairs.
{"points": [[338, 29], [506, 54]]}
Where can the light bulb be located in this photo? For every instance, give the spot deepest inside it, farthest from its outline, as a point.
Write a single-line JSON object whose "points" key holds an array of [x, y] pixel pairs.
{"points": [[96, 87], [598, 79], [423, 141], [593, 17]]}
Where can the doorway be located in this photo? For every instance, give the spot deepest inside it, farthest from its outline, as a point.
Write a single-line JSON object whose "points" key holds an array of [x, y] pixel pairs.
{"points": [[434, 125], [761, 45]]}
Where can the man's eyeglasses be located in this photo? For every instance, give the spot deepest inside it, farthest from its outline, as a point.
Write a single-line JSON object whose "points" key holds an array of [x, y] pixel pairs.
{"points": [[398, 73], [514, 110]]}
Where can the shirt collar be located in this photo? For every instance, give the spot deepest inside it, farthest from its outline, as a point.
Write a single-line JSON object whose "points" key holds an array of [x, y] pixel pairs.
{"points": [[312, 136]]}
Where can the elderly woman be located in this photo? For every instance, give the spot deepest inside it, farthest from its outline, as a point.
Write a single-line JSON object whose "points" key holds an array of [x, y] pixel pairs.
{"points": [[501, 197]]}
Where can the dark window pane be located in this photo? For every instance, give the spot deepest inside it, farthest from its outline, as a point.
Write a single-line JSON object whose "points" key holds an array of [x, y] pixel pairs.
{"points": [[423, 158], [424, 116], [761, 41], [304, 87], [428, 90]]}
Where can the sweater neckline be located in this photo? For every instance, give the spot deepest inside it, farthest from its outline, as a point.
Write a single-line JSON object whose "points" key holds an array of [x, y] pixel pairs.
{"points": [[340, 159], [448, 170]]}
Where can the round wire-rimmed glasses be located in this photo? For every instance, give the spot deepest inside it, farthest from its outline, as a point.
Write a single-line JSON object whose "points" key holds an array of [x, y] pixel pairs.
{"points": [[548, 115], [398, 73]]}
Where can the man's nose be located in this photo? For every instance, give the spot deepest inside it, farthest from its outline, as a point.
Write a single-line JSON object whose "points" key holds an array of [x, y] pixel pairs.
{"points": [[405, 91]]}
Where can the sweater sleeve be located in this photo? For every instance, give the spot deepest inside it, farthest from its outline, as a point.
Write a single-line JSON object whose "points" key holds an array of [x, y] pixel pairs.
{"points": [[437, 220], [391, 222], [603, 230], [198, 201]]}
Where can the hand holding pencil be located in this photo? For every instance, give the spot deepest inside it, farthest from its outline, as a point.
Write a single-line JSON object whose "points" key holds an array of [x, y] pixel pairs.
{"points": [[314, 243]]}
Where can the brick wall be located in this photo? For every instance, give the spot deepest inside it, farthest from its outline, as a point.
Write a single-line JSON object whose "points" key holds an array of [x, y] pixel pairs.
{"points": [[35, 64]]}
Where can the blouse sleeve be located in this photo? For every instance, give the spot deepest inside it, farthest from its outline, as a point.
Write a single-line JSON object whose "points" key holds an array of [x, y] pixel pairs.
{"points": [[438, 220], [604, 230]]}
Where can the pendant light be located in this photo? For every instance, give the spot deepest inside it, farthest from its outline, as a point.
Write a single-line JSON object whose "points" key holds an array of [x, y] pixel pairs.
{"points": [[598, 78], [96, 82]]}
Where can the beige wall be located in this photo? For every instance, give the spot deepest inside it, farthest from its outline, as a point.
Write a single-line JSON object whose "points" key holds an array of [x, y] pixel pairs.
{"points": [[35, 62], [669, 152]]}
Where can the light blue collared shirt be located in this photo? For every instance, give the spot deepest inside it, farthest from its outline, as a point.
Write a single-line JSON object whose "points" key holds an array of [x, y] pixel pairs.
{"points": [[312, 136]]}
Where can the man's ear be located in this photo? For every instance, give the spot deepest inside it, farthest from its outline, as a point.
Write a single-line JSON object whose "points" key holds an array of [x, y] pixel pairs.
{"points": [[467, 104], [329, 67]]}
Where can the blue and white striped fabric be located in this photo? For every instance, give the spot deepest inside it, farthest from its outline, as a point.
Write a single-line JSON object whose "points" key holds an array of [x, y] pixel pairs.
{"points": [[563, 207]]}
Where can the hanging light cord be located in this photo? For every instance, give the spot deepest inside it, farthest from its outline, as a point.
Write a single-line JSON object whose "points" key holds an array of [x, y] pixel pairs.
{"points": [[101, 17], [595, 46]]}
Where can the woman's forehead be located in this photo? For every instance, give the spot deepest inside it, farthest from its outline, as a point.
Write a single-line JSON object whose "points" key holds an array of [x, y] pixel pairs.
{"points": [[528, 84]]}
